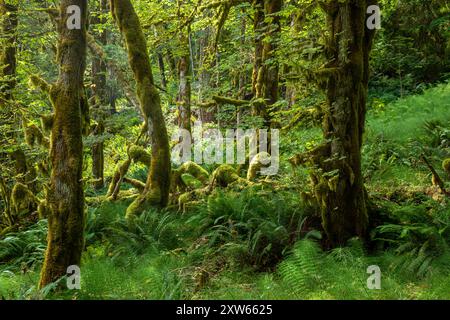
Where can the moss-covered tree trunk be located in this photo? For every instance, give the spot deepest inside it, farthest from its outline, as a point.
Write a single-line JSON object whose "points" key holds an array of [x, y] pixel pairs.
{"points": [[258, 26], [99, 71], [339, 183], [8, 28], [184, 88], [65, 197], [156, 192], [265, 69], [98, 158], [267, 87]]}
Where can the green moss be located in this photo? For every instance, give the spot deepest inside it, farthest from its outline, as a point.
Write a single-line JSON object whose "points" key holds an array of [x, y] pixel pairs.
{"points": [[190, 181], [190, 199], [446, 165], [143, 202], [23, 200], [33, 135], [43, 210], [20, 161], [120, 172], [47, 121], [66, 218], [138, 154], [158, 182], [224, 175], [256, 164], [192, 169], [39, 83]]}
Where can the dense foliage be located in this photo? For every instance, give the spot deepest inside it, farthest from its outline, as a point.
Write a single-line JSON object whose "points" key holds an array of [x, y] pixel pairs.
{"points": [[224, 231]]}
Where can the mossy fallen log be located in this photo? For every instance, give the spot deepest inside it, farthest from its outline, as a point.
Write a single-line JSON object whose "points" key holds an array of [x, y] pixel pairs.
{"points": [[135, 183]]}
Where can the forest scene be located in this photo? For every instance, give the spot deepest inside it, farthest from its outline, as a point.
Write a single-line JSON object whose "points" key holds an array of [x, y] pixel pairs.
{"points": [[225, 150]]}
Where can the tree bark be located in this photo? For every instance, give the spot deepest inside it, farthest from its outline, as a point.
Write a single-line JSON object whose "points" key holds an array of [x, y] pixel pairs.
{"points": [[99, 71], [339, 186], [162, 70], [98, 157], [156, 192], [268, 73], [258, 22], [8, 28], [184, 88], [265, 70], [65, 198]]}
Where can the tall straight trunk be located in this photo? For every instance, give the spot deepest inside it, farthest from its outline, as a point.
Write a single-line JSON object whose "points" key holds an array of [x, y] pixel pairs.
{"points": [[8, 45], [99, 71], [156, 192], [268, 73], [162, 70], [161, 65], [243, 72], [341, 193], [184, 88], [8, 28], [98, 157], [99, 67], [65, 198], [172, 64], [258, 26], [265, 70], [205, 115]]}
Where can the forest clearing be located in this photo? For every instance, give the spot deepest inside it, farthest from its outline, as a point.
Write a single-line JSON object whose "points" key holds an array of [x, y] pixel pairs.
{"points": [[224, 150]]}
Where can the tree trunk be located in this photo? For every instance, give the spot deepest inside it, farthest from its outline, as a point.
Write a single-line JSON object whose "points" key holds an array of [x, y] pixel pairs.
{"points": [[157, 187], [265, 72], [243, 72], [184, 88], [99, 71], [258, 22], [269, 72], [8, 27], [65, 197], [98, 157], [339, 184], [99, 67], [162, 70]]}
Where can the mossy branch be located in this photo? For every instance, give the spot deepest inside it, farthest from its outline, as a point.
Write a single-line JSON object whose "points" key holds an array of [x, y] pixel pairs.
{"points": [[40, 83], [135, 183], [220, 3]]}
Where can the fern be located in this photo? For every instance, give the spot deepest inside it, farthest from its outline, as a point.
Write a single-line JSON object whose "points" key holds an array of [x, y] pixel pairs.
{"points": [[418, 238], [24, 249], [265, 226], [301, 270]]}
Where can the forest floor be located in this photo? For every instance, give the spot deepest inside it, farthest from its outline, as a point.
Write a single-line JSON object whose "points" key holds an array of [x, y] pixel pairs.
{"points": [[263, 242]]}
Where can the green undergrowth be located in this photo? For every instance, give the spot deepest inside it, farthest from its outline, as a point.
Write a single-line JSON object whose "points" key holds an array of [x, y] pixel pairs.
{"points": [[264, 242]]}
